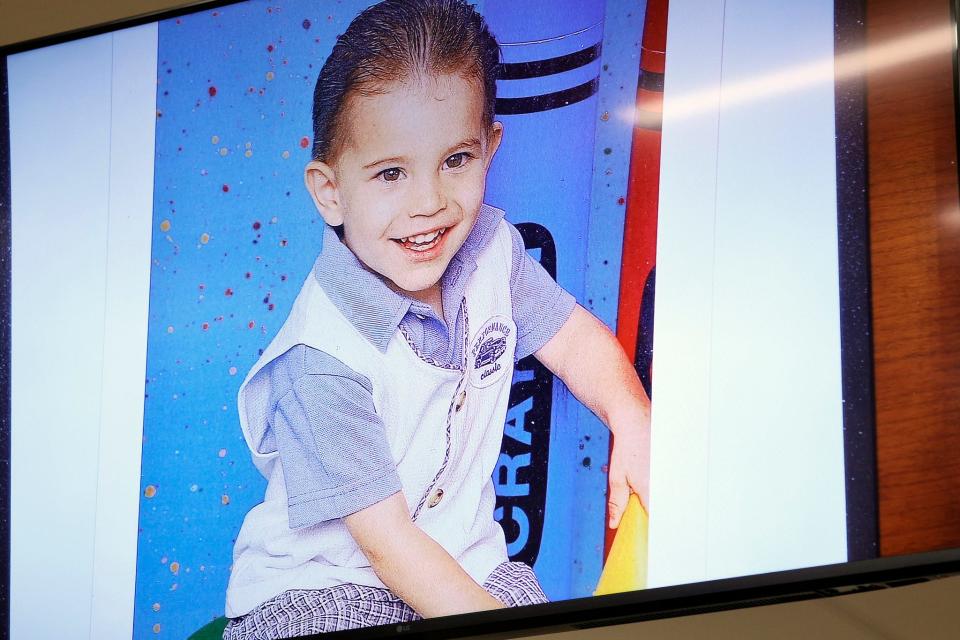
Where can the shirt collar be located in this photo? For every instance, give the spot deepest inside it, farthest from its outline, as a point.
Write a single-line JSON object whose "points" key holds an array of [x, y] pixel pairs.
{"points": [[372, 307]]}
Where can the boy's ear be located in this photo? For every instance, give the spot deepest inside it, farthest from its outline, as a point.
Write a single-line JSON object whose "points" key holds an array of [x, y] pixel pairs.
{"points": [[321, 181], [494, 136]]}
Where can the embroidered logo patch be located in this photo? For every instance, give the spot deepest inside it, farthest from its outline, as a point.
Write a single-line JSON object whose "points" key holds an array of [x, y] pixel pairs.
{"points": [[488, 353]]}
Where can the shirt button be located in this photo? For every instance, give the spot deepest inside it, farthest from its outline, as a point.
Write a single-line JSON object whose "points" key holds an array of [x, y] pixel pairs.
{"points": [[420, 316], [435, 498], [460, 400]]}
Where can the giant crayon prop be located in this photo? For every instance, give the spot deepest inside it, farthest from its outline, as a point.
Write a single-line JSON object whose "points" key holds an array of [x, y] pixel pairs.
{"points": [[637, 268]]}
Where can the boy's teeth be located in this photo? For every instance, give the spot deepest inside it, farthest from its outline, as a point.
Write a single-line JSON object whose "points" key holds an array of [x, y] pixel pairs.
{"points": [[423, 238]]}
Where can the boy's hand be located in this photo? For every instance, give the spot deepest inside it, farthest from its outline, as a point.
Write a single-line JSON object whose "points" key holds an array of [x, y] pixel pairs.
{"points": [[629, 471], [591, 362]]}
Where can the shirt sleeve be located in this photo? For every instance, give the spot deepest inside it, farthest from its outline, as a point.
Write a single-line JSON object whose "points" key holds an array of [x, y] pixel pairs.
{"points": [[540, 305], [332, 444]]}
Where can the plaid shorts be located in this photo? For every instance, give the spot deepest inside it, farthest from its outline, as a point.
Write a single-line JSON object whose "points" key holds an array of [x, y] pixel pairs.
{"points": [[301, 612]]}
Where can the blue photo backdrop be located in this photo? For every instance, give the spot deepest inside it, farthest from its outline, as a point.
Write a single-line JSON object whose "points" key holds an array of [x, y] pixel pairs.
{"points": [[235, 233]]}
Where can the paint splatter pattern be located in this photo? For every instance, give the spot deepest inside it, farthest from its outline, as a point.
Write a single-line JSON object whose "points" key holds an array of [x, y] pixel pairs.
{"points": [[234, 234]]}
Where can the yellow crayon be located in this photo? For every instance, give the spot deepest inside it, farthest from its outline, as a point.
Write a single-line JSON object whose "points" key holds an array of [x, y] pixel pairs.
{"points": [[626, 566]]}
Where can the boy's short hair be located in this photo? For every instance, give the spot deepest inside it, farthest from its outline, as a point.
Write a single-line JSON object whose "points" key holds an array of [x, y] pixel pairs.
{"points": [[397, 39]]}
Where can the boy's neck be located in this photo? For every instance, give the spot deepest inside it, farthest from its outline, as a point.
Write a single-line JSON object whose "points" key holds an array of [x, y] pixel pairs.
{"points": [[432, 296]]}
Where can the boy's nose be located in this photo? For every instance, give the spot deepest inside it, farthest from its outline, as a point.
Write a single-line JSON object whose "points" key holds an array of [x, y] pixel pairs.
{"points": [[429, 199]]}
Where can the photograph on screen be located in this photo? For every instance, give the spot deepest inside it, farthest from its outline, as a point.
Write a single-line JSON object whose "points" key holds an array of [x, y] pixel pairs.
{"points": [[417, 341]]}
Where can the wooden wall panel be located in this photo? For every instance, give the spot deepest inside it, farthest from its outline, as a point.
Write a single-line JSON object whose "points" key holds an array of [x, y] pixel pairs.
{"points": [[915, 253]]}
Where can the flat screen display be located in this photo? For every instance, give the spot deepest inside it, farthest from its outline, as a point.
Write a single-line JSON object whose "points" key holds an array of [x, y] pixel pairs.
{"points": [[655, 319]]}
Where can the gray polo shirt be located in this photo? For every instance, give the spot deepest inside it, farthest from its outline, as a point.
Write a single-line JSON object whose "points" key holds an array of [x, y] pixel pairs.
{"points": [[327, 431]]}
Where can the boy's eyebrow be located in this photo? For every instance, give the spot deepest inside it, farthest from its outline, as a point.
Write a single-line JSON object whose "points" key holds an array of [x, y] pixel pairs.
{"points": [[393, 160], [468, 142]]}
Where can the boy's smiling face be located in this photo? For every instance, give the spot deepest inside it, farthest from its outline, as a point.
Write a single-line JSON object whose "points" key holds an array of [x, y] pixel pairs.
{"points": [[408, 180]]}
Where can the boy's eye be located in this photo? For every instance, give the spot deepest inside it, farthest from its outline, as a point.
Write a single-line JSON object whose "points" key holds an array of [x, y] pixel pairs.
{"points": [[390, 175], [456, 160]]}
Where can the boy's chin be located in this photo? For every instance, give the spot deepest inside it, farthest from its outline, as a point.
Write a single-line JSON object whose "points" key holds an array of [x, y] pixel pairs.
{"points": [[417, 287]]}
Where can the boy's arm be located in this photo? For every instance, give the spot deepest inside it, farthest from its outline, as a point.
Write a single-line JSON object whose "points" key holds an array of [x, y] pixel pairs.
{"points": [[591, 362], [412, 565], [329, 435]]}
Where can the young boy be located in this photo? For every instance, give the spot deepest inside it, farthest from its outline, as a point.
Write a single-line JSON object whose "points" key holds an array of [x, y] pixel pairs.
{"points": [[377, 412]]}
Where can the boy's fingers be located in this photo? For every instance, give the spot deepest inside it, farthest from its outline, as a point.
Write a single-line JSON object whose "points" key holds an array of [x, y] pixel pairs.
{"points": [[613, 515], [643, 492], [617, 502]]}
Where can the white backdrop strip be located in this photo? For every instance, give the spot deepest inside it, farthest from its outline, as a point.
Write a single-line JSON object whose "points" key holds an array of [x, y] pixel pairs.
{"points": [[82, 120], [747, 472]]}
